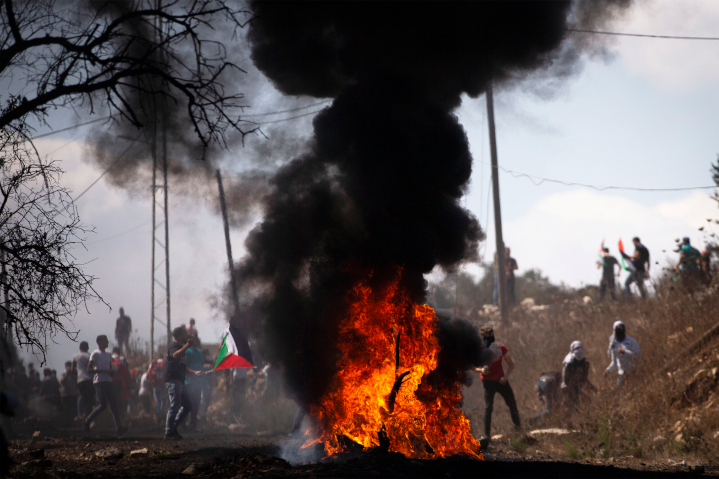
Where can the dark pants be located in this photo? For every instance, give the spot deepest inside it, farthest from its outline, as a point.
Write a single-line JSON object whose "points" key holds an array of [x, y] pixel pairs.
{"points": [[607, 283], [69, 407], [504, 390], [106, 396], [635, 277], [180, 405], [86, 401], [123, 342]]}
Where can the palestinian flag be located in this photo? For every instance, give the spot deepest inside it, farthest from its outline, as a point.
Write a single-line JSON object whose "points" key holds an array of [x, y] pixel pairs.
{"points": [[627, 266], [235, 350]]}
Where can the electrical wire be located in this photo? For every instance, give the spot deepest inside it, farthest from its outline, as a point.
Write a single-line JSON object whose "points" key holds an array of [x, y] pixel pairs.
{"points": [[290, 118], [114, 162], [120, 234], [285, 111], [53, 132], [621, 34], [538, 180]]}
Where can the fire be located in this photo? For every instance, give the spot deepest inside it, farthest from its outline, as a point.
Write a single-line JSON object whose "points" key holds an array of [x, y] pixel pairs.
{"points": [[425, 420]]}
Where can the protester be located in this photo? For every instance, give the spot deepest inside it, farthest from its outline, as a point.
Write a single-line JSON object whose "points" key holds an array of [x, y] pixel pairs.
{"points": [[121, 381], [191, 329], [208, 382], [100, 365], [180, 404], [607, 283], [50, 390], [548, 393], [624, 353], [68, 391], [575, 375], [145, 392], [22, 383], [510, 267], [640, 263], [123, 328], [156, 376], [194, 360], [86, 401], [690, 264], [495, 380]]}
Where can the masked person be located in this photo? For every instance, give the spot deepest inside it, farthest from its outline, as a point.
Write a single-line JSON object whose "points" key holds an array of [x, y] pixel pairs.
{"points": [[624, 353], [548, 393], [180, 404], [575, 375], [495, 380]]}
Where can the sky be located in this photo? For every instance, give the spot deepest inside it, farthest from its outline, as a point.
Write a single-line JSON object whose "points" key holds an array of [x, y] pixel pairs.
{"points": [[643, 118]]}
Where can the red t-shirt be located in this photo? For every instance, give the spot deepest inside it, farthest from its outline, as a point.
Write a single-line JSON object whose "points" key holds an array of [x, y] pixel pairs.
{"points": [[496, 371]]}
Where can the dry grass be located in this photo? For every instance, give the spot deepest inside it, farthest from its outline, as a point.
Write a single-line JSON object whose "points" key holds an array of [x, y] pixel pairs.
{"points": [[626, 423]]}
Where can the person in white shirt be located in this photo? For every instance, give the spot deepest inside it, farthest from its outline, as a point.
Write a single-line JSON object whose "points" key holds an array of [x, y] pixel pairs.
{"points": [[86, 401], [100, 365], [145, 392], [624, 353]]}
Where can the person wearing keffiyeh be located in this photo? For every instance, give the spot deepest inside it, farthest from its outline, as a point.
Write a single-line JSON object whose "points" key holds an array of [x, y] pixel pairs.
{"points": [[624, 353], [575, 375]]}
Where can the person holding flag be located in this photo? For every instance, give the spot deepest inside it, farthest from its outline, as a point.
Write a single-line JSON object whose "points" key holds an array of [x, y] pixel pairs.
{"points": [[607, 263], [180, 404], [636, 266]]}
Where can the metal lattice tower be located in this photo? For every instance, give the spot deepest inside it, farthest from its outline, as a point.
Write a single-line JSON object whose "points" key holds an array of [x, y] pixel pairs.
{"points": [[165, 248]]}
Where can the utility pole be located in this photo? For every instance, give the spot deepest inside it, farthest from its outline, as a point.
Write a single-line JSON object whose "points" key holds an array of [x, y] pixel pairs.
{"points": [[225, 220], [501, 264]]}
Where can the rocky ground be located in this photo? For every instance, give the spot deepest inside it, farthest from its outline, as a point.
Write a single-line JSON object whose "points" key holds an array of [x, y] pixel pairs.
{"points": [[75, 454]]}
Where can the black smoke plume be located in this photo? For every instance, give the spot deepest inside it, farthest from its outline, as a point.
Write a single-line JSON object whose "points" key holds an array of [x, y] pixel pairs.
{"points": [[380, 189]]}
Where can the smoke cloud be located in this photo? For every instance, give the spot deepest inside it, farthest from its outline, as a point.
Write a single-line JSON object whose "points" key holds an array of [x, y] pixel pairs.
{"points": [[380, 188]]}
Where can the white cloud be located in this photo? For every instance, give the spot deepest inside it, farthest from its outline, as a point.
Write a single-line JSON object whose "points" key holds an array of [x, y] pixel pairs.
{"points": [[672, 64], [561, 233]]}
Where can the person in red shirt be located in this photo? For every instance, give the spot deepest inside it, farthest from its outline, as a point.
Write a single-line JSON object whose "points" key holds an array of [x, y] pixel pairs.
{"points": [[495, 380]]}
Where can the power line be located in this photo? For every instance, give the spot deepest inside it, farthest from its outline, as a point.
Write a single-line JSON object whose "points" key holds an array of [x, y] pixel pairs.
{"points": [[114, 162], [290, 118], [69, 128], [541, 180], [621, 34], [119, 234], [285, 111]]}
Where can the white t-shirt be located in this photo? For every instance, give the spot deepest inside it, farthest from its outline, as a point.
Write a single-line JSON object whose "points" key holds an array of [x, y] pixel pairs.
{"points": [[102, 361], [145, 386], [81, 359]]}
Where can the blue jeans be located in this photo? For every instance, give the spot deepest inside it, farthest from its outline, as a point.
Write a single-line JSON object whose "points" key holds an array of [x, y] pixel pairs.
{"points": [[180, 405], [159, 394], [106, 397], [194, 391]]}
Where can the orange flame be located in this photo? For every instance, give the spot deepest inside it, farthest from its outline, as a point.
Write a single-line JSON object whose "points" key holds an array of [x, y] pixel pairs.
{"points": [[357, 406]]}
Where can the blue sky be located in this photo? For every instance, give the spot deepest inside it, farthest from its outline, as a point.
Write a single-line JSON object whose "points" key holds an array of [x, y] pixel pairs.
{"points": [[646, 118]]}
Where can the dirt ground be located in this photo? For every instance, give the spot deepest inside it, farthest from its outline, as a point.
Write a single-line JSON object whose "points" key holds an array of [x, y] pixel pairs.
{"points": [[70, 453]]}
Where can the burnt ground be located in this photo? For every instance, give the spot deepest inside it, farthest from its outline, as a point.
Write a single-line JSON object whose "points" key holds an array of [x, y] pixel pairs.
{"points": [[70, 453]]}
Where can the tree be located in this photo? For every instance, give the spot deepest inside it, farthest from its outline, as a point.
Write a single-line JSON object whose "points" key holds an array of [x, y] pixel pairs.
{"points": [[69, 53], [39, 226]]}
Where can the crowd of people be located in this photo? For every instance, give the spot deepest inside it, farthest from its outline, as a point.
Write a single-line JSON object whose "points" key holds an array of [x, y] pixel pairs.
{"points": [[556, 389], [694, 268], [169, 389]]}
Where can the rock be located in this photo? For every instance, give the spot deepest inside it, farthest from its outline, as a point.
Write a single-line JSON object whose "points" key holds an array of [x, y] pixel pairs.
{"points": [[527, 303], [37, 434], [38, 463], [698, 468], [108, 454], [191, 471], [715, 435], [659, 442], [678, 437], [552, 430], [587, 300], [497, 437], [139, 452], [37, 454]]}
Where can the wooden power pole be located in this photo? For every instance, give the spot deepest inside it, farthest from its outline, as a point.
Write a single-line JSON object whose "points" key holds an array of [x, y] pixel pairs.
{"points": [[500, 262]]}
